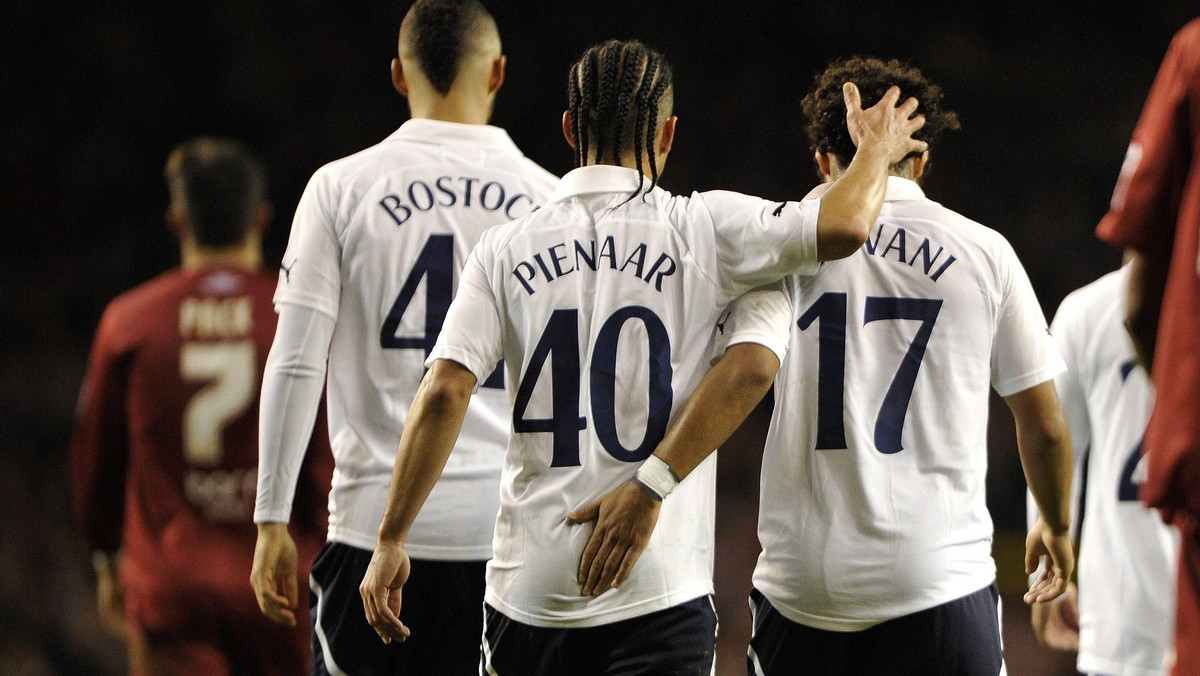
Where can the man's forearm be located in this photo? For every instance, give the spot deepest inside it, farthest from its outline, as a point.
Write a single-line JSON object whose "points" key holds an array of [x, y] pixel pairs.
{"points": [[1044, 443], [430, 431], [726, 395], [1147, 283]]}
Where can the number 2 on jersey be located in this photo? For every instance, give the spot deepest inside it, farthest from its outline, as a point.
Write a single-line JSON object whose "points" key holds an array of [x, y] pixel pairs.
{"points": [[560, 343], [435, 265], [831, 309]]}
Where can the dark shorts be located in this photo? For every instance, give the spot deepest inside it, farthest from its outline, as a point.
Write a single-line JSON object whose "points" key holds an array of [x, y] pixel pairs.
{"points": [[442, 605], [961, 637], [679, 640]]}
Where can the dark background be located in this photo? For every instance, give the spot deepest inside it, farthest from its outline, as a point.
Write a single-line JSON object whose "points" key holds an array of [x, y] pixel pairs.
{"points": [[95, 96]]}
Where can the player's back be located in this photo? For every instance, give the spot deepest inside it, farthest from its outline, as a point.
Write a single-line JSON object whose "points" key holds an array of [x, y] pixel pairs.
{"points": [[605, 303], [378, 242], [190, 346], [1127, 554], [873, 478]]}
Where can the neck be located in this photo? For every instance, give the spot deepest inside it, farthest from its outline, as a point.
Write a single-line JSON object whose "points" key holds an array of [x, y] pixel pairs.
{"points": [[451, 108], [246, 255]]}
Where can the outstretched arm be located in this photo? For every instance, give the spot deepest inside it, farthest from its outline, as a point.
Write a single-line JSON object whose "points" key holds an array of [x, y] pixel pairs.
{"points": [[625, 518], [883, 136], [430, 431]]}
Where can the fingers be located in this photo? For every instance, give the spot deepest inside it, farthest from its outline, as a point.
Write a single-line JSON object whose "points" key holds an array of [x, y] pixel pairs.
{"points": [[890, 97], [585, 514], [631, 557], [852, 98], [590, 549], [591, 586], [1032, 558], [275, 606], [381, 611], [909, 106]]}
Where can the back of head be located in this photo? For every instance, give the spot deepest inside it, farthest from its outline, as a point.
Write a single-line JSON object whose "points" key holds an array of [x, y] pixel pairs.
{"points": [[217, 187], [619, 94], [825, 109], [439, 34]]}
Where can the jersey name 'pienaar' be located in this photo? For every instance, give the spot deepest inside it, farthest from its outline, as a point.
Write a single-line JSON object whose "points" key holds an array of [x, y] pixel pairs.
{"points": [[564, 258]]}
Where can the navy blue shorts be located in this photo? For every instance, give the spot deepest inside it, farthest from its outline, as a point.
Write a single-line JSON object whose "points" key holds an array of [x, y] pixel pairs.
{"points": [[442, 606], [961, 637], [677, 641]]}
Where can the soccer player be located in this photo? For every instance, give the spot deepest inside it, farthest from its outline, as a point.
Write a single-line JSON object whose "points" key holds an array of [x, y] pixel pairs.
{"points": [[1154, 215], [602, 306], [165, 447], [875, 532], [1127, 556], [376, 248]]}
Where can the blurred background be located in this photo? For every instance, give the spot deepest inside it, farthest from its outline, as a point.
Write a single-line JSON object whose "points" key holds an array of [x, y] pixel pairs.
{"points": [[96, 94]]}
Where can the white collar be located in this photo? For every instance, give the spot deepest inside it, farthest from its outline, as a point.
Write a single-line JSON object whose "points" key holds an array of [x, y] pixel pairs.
{"points": [[454, 133], [898, 189], [599, 178]]}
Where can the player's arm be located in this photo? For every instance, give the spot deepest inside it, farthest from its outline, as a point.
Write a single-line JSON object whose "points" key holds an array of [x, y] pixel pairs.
{"points": [[883, 136], [99, 460], [1147, 284], [626, 517], [430, 430], [291, 393], [1044, 443]]}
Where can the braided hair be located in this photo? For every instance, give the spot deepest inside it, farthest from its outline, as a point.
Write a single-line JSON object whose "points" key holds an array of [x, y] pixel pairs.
{"points": [[438, 31], [616, 94]]}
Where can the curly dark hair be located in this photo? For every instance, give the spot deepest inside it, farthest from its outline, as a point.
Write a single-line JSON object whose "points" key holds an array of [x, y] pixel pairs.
{"points": [[825, 110], [618, 93], [439, 30]]}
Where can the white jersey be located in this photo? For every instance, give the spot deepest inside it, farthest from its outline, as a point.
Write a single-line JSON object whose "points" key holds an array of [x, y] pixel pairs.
{"points": [[602, 305], [1127, 555], [872, 497], [378, 242]]}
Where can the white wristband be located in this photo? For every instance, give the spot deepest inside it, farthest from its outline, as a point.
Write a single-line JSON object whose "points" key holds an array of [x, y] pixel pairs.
{"points": [[657, 477]]}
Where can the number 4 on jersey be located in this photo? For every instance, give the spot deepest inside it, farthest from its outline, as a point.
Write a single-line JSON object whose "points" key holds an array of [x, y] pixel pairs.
{"points": [[435, 265]]}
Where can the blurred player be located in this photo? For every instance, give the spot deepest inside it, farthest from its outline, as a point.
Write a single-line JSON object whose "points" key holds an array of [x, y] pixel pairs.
{"points": [[875, 532], [602, 305], [378, 240], [1122, 621], [165, 447], [1155, 214]]}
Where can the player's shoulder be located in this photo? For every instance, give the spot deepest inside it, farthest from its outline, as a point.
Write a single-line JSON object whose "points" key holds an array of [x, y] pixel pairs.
{"points": [[1094, 298]]}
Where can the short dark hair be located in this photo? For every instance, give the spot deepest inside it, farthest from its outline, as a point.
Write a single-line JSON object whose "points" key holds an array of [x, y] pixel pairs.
{"points": [[617, 92], [438, 31], [220, 185], [825, 110]]}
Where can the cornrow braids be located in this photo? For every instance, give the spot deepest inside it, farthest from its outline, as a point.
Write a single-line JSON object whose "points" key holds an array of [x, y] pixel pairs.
{"points": [[615, 95], [439, 31]]}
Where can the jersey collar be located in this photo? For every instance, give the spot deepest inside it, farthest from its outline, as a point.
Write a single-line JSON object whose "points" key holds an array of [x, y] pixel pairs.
{"points": [[898, 189], [454, 133], [598, 178]]}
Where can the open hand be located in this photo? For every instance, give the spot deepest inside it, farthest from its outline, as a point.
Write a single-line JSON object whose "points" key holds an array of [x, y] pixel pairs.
{"points": [[625, 518], [380, 590], [1056, 623], [885, 124], [273, 574], [1052, 582]]}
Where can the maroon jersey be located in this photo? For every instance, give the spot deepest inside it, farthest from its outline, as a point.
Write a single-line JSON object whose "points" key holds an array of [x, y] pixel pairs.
{"points": [[1156, 210], [165, 449]]}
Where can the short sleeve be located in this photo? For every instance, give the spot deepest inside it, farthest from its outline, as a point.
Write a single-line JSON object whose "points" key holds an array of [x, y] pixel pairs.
{"points": [[1023, 352], [472, 333], [1146, 198], [759, 242], [310, 275], [762, 316]]}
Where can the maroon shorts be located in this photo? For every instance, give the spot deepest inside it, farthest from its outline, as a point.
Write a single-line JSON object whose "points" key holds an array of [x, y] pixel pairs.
{"points": [[212, 634]]}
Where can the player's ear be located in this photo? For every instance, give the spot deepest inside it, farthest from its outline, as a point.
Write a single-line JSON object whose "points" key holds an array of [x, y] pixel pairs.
{"points": [[174, 222], [398, 79], [919, 164], [823, 164], [568, 129], [666, 137], [496, 78]]}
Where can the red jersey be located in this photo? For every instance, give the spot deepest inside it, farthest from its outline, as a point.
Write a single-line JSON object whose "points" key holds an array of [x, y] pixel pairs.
{"points": [[1156, 210], [165, 449]]}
